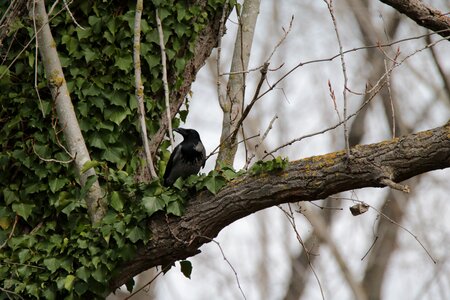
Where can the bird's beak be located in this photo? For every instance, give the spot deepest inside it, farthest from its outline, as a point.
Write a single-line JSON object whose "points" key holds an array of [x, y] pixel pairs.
{"points": [[181, 131]]}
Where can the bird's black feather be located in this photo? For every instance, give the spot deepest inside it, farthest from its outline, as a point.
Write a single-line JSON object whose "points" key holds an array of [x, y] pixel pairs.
{"points": [[187, 158]]}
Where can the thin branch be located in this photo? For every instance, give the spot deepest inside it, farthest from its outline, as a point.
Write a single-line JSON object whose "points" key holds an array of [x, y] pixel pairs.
{"points": [[148, 283], [333, 99], [393, 222], [321, 230], [36, 61], [66, 6], [370, 248], [228, 262], [10, 292], [331, 58], [344, 71], [291, 219], [52, 159], [164, 78], [391, 101], [286, 32], [241, 141], [255, 98], [396, 186], [445, 78], [11, 233], [374, 91], [327, 129], [219, 50], [140, 87]]}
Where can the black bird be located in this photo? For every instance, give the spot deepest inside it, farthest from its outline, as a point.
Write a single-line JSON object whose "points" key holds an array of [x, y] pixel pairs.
{"points": [[187, 158]]}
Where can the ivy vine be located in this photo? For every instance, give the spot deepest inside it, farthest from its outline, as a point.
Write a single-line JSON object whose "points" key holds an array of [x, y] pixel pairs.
{"points": [[49, 248]]}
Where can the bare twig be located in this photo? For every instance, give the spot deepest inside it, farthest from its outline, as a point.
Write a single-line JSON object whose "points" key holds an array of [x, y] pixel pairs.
{"points": [[228, 262], [36, 61], [370, 248], [255, 98], [269, 127], [444, 76], [333, 99], [286, 32], [327, 129], [140, 87], [331, 58], [320, 228], [329, 4], [249, 159], [241, 141], [165, 82], [393, 222], [148, 283], [374, 91], [220, 95], [7, 292], [391, 102], [52, 159], [66, 6], [290, 216], [11, 233]]}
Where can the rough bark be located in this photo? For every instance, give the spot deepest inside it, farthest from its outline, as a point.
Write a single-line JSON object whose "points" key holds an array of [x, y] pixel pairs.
{"points": [[423, 14], [313, 178]]}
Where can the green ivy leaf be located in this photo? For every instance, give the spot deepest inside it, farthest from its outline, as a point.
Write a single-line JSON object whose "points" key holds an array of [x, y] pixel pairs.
{"points": [[89, 164], [89, 182], [116, 201], [175, 208], [52, 264], [153, 204], [24, 255], [215, 183], [83, 273], [186, 268], [124, 63], [99, 274], [68, 282], [23, 210], [57, 184], [10, 196], [136, 234]]}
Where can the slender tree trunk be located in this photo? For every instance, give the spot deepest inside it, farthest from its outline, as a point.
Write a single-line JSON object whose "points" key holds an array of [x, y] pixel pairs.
{"points": [[232, 105], [65, 111]]}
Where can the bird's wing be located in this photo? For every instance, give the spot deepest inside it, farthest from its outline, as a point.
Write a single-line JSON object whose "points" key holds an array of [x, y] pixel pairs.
{"points": [[174, 156]]}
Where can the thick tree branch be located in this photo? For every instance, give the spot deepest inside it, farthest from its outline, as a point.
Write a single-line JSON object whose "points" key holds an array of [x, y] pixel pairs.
{"points": [[423, 14], [309, 179]]}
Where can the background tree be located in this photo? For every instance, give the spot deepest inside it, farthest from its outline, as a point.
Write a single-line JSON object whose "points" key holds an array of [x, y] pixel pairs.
{"points": [[50, 242]]}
